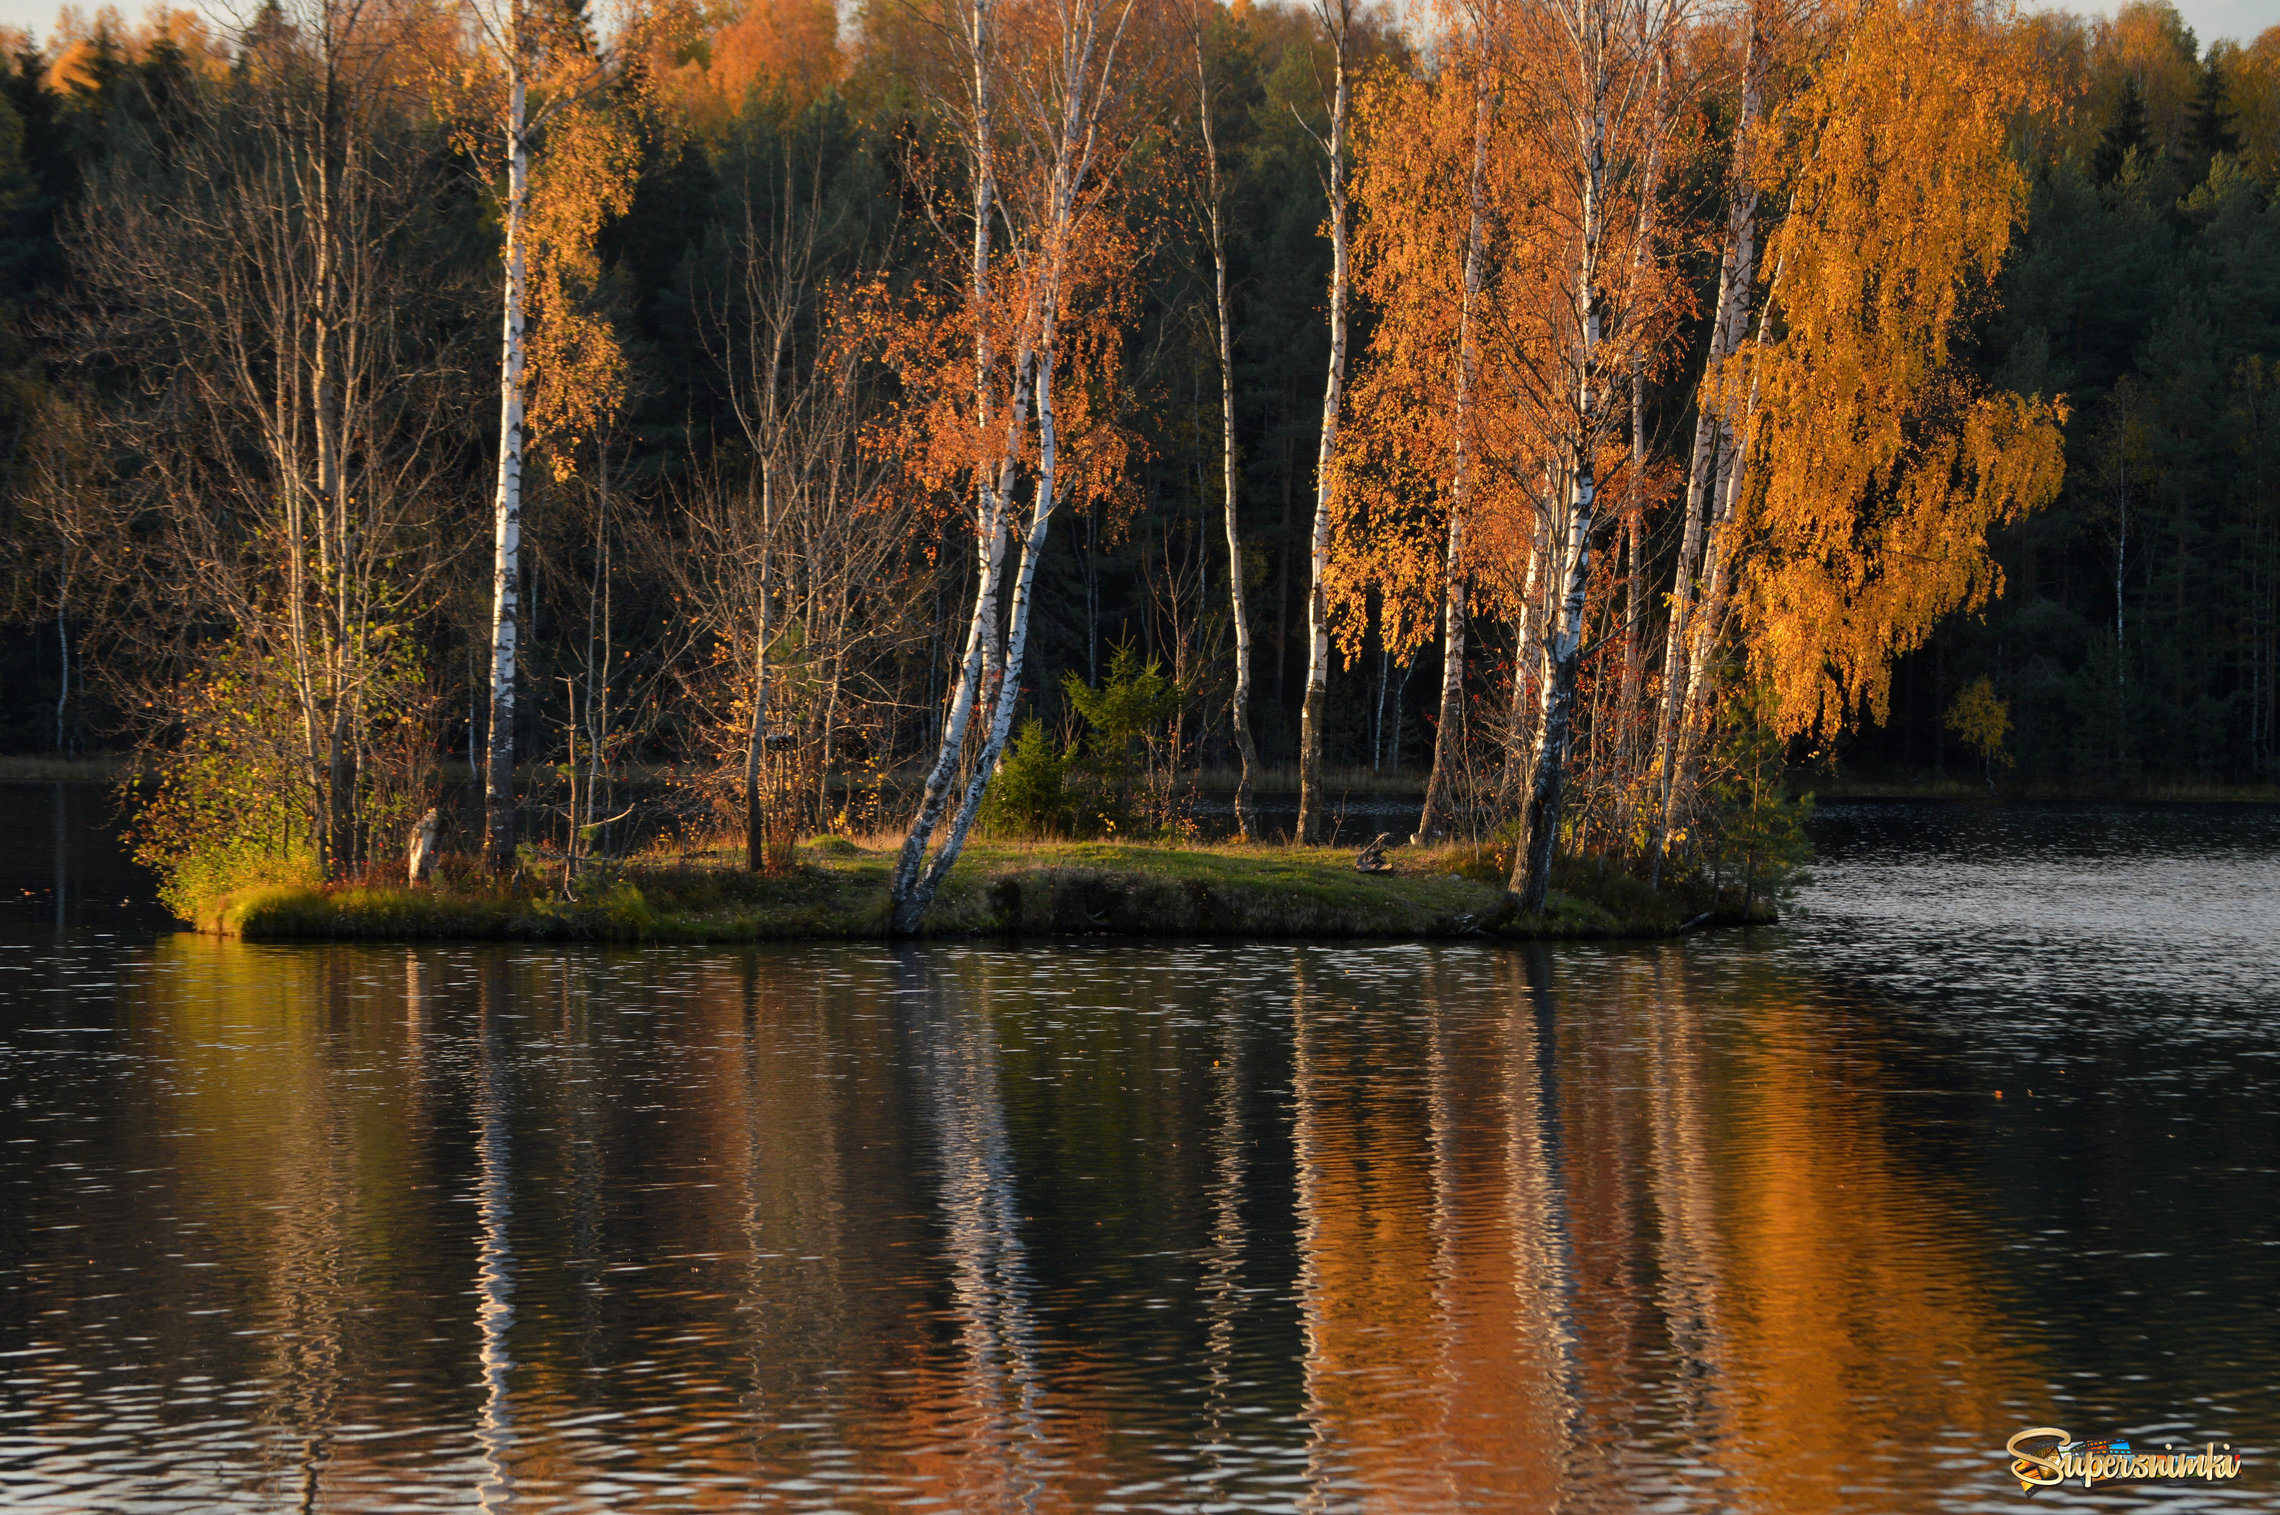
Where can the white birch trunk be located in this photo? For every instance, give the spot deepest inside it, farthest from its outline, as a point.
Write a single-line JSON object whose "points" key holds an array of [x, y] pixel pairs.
{"points": [[1563, 639], [908, 907], [1316, 708], [1571, 547], [1519, 728], [506, 578], [1072, 143], [1246, 750], [1017, 629]]}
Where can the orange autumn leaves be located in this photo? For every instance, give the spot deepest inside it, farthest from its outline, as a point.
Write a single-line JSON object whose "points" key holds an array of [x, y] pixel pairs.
{"points": [[578, 370], [1874, 463], [1880, 463]]}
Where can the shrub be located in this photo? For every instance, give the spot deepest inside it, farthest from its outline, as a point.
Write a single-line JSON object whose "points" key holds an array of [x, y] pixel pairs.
{"points": [[1029, 795], [1124, 761], [231, 799], [228, 806]]}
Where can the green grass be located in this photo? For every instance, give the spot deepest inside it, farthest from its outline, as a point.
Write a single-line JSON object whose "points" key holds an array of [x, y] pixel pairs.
{"points": [[839, 890]]}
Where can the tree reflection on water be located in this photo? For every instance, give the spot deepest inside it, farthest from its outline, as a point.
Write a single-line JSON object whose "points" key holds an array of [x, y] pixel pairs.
{"points": [[1048, 1228]]}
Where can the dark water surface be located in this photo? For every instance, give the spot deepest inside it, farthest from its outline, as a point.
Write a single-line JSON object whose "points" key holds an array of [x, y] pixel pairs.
{"points": [[1732, 1224]]}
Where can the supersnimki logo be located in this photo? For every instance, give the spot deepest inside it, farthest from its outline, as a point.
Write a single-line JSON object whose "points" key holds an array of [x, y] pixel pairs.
{"points": [[2044, 1457]]}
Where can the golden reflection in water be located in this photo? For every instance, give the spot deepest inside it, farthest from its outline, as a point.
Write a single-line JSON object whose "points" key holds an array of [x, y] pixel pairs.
{"points": [[1856, 1315], [282, 1173], [1431, 1272], [1563, 1254], [1551, 1248]]}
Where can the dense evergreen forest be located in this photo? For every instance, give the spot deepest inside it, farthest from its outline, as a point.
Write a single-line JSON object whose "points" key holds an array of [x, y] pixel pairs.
{"points": [[740, 515]]}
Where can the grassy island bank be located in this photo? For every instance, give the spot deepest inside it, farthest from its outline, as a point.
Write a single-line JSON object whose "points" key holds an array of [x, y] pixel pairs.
{"points": [[839, 890]]}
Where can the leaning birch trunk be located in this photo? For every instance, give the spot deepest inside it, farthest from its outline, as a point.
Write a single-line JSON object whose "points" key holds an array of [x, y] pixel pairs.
{"points": [[1538, 839], [1017, 627], [1246, 750], [910, 894], [1071, 138], [907, 903], [506, 585], [1316, 709], [1433, 818], [1712, 434]]}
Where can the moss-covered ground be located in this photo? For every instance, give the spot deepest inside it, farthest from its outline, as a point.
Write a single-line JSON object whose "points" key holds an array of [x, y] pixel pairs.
{"points": [[839, 890]]}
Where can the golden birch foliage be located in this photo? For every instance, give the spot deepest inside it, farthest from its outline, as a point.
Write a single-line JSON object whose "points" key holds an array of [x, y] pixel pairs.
{"points": [[943, 448], [711, 61], [786, 47], [2253, 87], [1876, 464], [1412, 170], [1415, 145], [577, 371]]}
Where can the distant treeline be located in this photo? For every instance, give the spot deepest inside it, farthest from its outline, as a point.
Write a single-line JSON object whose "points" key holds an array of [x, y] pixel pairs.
{"points": [[1686, 368]]}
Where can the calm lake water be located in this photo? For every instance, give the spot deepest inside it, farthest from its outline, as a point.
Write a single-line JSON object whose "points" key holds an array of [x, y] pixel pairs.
{"points": [[1738, 1223]]}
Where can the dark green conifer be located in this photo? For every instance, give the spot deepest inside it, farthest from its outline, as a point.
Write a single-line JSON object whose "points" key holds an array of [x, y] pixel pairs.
{"points": [[2208, 124], [2125, 134]]}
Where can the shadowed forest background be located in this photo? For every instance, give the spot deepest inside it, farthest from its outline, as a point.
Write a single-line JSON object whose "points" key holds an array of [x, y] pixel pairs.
{"points": [[742, 173]]}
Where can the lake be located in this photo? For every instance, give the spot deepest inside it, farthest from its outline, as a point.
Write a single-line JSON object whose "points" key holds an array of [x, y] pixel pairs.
{"points": [[1987, 1137]]}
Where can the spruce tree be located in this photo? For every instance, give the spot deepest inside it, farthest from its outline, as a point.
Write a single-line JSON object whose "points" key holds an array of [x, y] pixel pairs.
{"points": [[2124, 134], [2208, 124]]}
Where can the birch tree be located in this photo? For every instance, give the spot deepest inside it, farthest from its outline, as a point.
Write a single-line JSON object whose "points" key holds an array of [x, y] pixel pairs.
{"points": [[1223, 314], [550, 52], [1050, 184], [1337, 19], [268, 254], [1448, 731], [1716, 427], [1871, 463], [1406, 493], [1587, 97]]}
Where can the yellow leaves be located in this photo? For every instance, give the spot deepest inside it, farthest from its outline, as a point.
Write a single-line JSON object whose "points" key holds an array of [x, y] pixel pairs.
{"points": [[1979, 719], [785, 50], [582, 180], [1877, 465]]}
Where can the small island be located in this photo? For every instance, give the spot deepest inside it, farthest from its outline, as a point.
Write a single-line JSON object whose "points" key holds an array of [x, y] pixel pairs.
{"points": [[838, 888]]}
